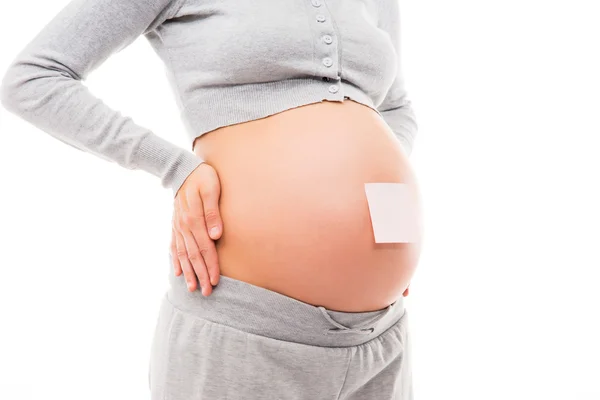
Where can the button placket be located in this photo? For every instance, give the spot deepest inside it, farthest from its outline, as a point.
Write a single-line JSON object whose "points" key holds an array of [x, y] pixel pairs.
{"points": [[329, 55]]}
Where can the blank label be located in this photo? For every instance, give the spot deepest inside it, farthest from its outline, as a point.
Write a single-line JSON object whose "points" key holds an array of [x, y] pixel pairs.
{"points": [[393, 212]]}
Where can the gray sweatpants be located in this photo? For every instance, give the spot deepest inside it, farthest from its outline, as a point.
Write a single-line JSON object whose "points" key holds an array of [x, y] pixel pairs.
{"points": [[249, 343]]}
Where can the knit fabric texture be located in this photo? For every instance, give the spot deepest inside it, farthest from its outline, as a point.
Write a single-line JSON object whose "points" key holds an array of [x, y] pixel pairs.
{"points": [[226, 61]]}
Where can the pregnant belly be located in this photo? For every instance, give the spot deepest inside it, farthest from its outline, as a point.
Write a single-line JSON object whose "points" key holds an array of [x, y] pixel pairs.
{"points": [[295, 214]]}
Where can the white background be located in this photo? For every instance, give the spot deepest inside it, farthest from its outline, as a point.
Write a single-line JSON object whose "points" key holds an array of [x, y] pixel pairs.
{"points": [[505, 302]]}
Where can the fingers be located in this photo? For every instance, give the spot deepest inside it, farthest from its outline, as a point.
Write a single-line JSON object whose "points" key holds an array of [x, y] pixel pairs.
{"points": [[210, 192], [206, 245], [198, 249], [196, 259], [194, 213], [186, 266]]}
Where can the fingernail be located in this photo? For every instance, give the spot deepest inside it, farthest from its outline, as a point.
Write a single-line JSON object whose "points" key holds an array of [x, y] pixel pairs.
{"points": [[214, 231]]}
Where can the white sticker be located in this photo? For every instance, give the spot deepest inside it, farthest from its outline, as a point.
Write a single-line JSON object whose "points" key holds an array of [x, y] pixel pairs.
{"points": [[394, 212]]}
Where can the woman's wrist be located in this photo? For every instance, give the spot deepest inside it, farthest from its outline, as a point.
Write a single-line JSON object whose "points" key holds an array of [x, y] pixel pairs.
{"points": [[169, 162]]}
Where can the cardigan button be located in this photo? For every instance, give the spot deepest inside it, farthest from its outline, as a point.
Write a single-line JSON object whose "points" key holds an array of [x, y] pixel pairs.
{"points": [[316, 3], [328, 62], [327, 39], [320, 18], [333, 89]]}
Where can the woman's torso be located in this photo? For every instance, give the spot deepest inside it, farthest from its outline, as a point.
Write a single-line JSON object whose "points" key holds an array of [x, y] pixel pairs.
{"points": [[294, 209]]}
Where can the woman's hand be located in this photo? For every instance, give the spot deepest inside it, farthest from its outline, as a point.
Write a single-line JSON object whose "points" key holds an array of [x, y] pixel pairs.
{"points": [[196, 213]]}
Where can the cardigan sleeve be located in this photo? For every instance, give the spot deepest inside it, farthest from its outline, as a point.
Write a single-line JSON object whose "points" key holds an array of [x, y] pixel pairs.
{"points": [[396, 107], [44, 86]]}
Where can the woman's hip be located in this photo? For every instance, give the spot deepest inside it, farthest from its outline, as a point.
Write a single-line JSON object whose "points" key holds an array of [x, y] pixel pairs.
{"points": [[264, 312], [247, 342]]}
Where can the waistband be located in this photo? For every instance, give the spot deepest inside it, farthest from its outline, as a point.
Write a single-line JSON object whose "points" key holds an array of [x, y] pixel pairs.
{"points": [[264, 312]]}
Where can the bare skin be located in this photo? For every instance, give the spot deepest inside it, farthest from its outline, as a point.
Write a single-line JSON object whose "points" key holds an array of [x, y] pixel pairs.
{"points": [[293, 211], [196, 224]]}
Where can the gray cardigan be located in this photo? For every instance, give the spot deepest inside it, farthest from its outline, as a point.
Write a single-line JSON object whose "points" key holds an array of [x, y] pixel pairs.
{"points": [[227, 62]]}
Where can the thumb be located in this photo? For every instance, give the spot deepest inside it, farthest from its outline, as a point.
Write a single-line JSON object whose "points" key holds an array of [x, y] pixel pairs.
{"points": [[210, 194], [213, 218]]}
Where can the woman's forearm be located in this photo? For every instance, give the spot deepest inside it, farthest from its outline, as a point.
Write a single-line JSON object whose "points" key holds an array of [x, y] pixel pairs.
{"points": [[43, 85]]}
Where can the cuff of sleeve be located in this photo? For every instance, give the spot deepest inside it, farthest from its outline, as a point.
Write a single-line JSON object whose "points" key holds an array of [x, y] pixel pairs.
{"points": [[403, 123], [171, 163], [187, 163]]}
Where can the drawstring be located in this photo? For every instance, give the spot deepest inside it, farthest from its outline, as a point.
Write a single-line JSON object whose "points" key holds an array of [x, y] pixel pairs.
{"points": [[344, 329]]}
